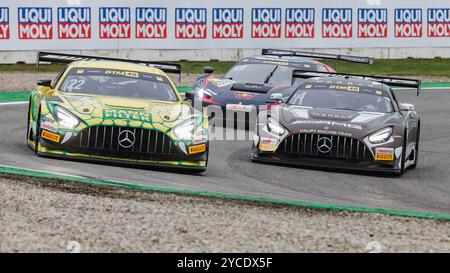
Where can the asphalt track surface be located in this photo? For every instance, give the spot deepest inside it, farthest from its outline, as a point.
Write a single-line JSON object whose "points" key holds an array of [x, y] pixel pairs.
{"points": [[230, 171]]}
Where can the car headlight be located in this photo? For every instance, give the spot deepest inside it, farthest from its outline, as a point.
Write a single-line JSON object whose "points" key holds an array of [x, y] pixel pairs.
{"points": [[65, 118], [185, 130], [381, 136], [274, 127]]}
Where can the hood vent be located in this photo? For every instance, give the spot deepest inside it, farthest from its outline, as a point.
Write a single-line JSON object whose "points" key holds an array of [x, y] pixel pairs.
{"points": [[251, 87]]}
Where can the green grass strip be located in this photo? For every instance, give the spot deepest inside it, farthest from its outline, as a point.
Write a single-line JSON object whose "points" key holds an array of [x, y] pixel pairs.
{"points": [[331, 207], [435, 85], [14, 96], [17, 96]]}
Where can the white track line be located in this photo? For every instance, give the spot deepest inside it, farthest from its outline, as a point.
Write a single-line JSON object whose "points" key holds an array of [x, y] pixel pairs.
{"points": [[13, 103]]}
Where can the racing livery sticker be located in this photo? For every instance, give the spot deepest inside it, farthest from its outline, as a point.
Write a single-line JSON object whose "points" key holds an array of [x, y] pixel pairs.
{"points": [[267, 144], [49, 127], [408, 23], [227, 23], [74, 23], [300, 23], [197, 149], [151, 23], [127, 115], [372, 23], [438, 22], [4, 23], [35, 23], [115, 23], [190, 23], [337, 23], [384, 154], [50, 136], [266, 23]]}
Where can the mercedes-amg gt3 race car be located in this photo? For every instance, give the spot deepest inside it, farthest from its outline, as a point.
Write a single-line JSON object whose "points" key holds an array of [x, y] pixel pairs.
{"points": [[341, 121], [247, 87], [116, 111]]}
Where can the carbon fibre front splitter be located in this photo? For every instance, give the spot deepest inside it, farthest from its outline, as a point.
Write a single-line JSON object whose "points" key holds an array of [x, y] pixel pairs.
{"points": [[367, 168], [195, 166]]}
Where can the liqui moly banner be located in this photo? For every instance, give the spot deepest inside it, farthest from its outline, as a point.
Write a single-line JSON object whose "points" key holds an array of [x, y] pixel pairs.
{"points": [[4, 23], [151, 23], [222, 24], [35, 23], [74, 23], [228, 23]]}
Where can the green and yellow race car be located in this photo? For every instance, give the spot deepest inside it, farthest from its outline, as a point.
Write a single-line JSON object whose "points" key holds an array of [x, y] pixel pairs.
{"points": [[115, 111]]}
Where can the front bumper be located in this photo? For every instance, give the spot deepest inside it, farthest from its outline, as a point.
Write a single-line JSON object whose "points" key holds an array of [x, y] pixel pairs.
{"points": [[319, 163], [345, 153], [101, 146], [183, 165]]}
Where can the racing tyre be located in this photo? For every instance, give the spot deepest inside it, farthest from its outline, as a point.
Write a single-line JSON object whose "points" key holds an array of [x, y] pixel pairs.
{"points": [[402, 164], [37, 137], [416, 155], [29, 131]]}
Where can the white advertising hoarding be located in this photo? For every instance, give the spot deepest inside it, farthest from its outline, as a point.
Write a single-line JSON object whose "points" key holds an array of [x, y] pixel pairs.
{"points": [[222, 24]]}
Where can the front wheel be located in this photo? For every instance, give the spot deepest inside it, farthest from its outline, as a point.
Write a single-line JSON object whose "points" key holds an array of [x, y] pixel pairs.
{"points": [[403, 160], [29, 130], [416, 151], [37, 136]]}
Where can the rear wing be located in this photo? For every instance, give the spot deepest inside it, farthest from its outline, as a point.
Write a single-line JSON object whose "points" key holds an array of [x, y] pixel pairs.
{"points": [[314, 55], [63, 58], [390, 81]]}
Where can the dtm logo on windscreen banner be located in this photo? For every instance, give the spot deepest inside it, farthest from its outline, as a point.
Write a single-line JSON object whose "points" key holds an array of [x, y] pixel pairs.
{"points": [[266, 23], [438, 23], [372, 23], [300, 23], [35, 23], [337, 23], [115, 23], [190, 23], [74, 23], [151, 23], [227, 23], [408, 23], [4, 23]]}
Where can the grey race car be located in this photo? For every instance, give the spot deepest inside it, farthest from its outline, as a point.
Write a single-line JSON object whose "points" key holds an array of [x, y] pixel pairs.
{"points": [[341, 121]]}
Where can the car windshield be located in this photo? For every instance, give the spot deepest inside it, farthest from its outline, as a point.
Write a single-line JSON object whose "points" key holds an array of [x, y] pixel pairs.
{"points": [[343, 100], [118, 83], [261, 73]]}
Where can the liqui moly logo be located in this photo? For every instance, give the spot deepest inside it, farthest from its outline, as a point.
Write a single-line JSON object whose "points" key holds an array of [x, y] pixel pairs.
{"points": [[337, 23], [300, 23], [408, 23], [266, 23], [151, 23], [74, 23], [372, 23], [115, 23], [190, 23], [4, 23], [227, 23], [35, 23], [438, 23]]}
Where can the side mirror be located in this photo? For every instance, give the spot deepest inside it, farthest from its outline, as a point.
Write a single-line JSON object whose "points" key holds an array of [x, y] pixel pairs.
{"points": [[45, 83], [276, 97], [208, 70], [407, 107]]}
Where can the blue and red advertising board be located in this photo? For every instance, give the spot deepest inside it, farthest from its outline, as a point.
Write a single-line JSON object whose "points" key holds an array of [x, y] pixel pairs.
{"points": [[209, 24]]}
